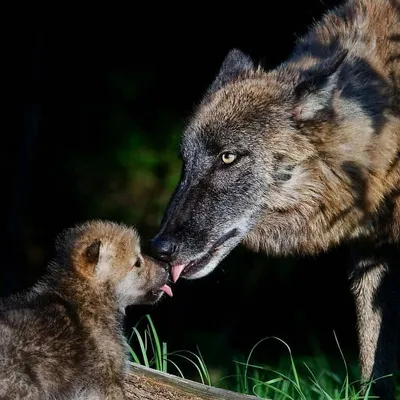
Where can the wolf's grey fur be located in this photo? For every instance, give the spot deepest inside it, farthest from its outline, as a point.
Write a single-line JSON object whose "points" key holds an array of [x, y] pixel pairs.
{"points": [[63, 338], [302, 158]]}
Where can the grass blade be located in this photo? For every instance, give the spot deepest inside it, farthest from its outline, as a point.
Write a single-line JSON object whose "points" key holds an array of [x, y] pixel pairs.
{"points": [[176, 366], [191, 361], [157, 351], [142, 347], [164, 357]]}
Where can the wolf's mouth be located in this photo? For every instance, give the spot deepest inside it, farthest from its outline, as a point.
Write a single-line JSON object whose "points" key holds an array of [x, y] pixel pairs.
{"points": [[190, 268]]}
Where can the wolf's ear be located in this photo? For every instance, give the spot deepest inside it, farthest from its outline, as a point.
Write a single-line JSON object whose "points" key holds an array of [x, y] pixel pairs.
{"points": [[92, 252], [314, 92], [234, 65]]}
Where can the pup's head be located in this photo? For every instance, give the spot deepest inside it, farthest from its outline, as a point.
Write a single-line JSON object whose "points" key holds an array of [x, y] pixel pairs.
{"points": [[254, 151], [109, 256]]}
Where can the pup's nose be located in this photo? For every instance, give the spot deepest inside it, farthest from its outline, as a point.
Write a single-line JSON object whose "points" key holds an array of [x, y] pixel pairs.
{"points": [[164, 248]]}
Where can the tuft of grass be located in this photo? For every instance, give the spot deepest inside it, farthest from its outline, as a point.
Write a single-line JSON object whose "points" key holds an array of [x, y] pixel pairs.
{"points": [[301, 379], [154, 354], [298, 382]]}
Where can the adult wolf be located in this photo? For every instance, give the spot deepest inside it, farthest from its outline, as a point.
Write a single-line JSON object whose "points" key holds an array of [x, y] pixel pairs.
{"points": [[299, 159]]}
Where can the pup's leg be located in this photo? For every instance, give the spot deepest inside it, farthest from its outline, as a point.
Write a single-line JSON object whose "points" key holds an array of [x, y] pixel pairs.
{"points": [[376, 290], [114, 391]]}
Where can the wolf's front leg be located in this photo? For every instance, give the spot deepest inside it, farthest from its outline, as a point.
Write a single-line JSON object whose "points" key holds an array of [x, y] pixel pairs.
{"points": [[376, 290]]}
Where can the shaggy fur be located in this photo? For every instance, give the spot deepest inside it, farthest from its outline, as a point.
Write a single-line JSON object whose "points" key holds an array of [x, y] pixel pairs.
{"points": [[302, 158], [63, 338]]}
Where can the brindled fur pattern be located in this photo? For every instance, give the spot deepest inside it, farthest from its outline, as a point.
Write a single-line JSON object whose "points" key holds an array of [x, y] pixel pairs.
{"points": [[299, 159]]}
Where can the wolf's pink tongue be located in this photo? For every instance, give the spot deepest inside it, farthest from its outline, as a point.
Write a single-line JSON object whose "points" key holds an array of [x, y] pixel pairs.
{"points": [[167, 290], [176, 271]]}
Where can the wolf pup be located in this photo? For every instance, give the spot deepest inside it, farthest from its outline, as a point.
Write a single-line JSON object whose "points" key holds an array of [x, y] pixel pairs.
{"points": [[299, 159], [63, 338]]}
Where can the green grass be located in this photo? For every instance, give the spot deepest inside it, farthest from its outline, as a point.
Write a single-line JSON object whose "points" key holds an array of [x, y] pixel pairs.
{"points": [[154, 354], [300, 378], [292, 379]]}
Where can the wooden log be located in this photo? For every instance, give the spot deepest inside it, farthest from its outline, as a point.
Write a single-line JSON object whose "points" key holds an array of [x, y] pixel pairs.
{"points": [[149, 384]]}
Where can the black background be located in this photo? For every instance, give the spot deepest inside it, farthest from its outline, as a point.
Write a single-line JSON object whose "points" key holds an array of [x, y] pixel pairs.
{"points": [[58, 94]]}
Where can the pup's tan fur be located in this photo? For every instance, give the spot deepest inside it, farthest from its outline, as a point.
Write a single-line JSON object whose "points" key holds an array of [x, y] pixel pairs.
{"points": [[63, 339]]}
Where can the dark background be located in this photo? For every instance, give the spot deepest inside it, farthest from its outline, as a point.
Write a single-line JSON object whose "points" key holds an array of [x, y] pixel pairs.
{"points": [[97, 102]]}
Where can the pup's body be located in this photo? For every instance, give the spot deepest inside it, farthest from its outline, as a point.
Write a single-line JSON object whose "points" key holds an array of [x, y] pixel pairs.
{"points": [[302, 158], [63, 339]]}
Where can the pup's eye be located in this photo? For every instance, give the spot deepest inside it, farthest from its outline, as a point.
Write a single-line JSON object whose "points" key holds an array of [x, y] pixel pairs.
{"points": [[228, 158], [138, 263]]}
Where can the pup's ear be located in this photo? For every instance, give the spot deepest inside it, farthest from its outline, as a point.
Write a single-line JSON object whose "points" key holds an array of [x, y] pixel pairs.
{"points": [[314, 92], [235, 64], [92, 252]]}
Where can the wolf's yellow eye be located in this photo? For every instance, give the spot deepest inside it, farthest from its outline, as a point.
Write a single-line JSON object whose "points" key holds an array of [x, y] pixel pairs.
{"points": [[228, 158]]}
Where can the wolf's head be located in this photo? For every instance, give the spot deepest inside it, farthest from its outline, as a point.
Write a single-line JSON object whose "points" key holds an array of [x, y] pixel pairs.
{"points": [[251, 169]]}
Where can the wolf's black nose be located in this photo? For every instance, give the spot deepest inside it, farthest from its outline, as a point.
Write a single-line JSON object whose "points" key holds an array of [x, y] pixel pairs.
{"points": [[163, 248]]}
